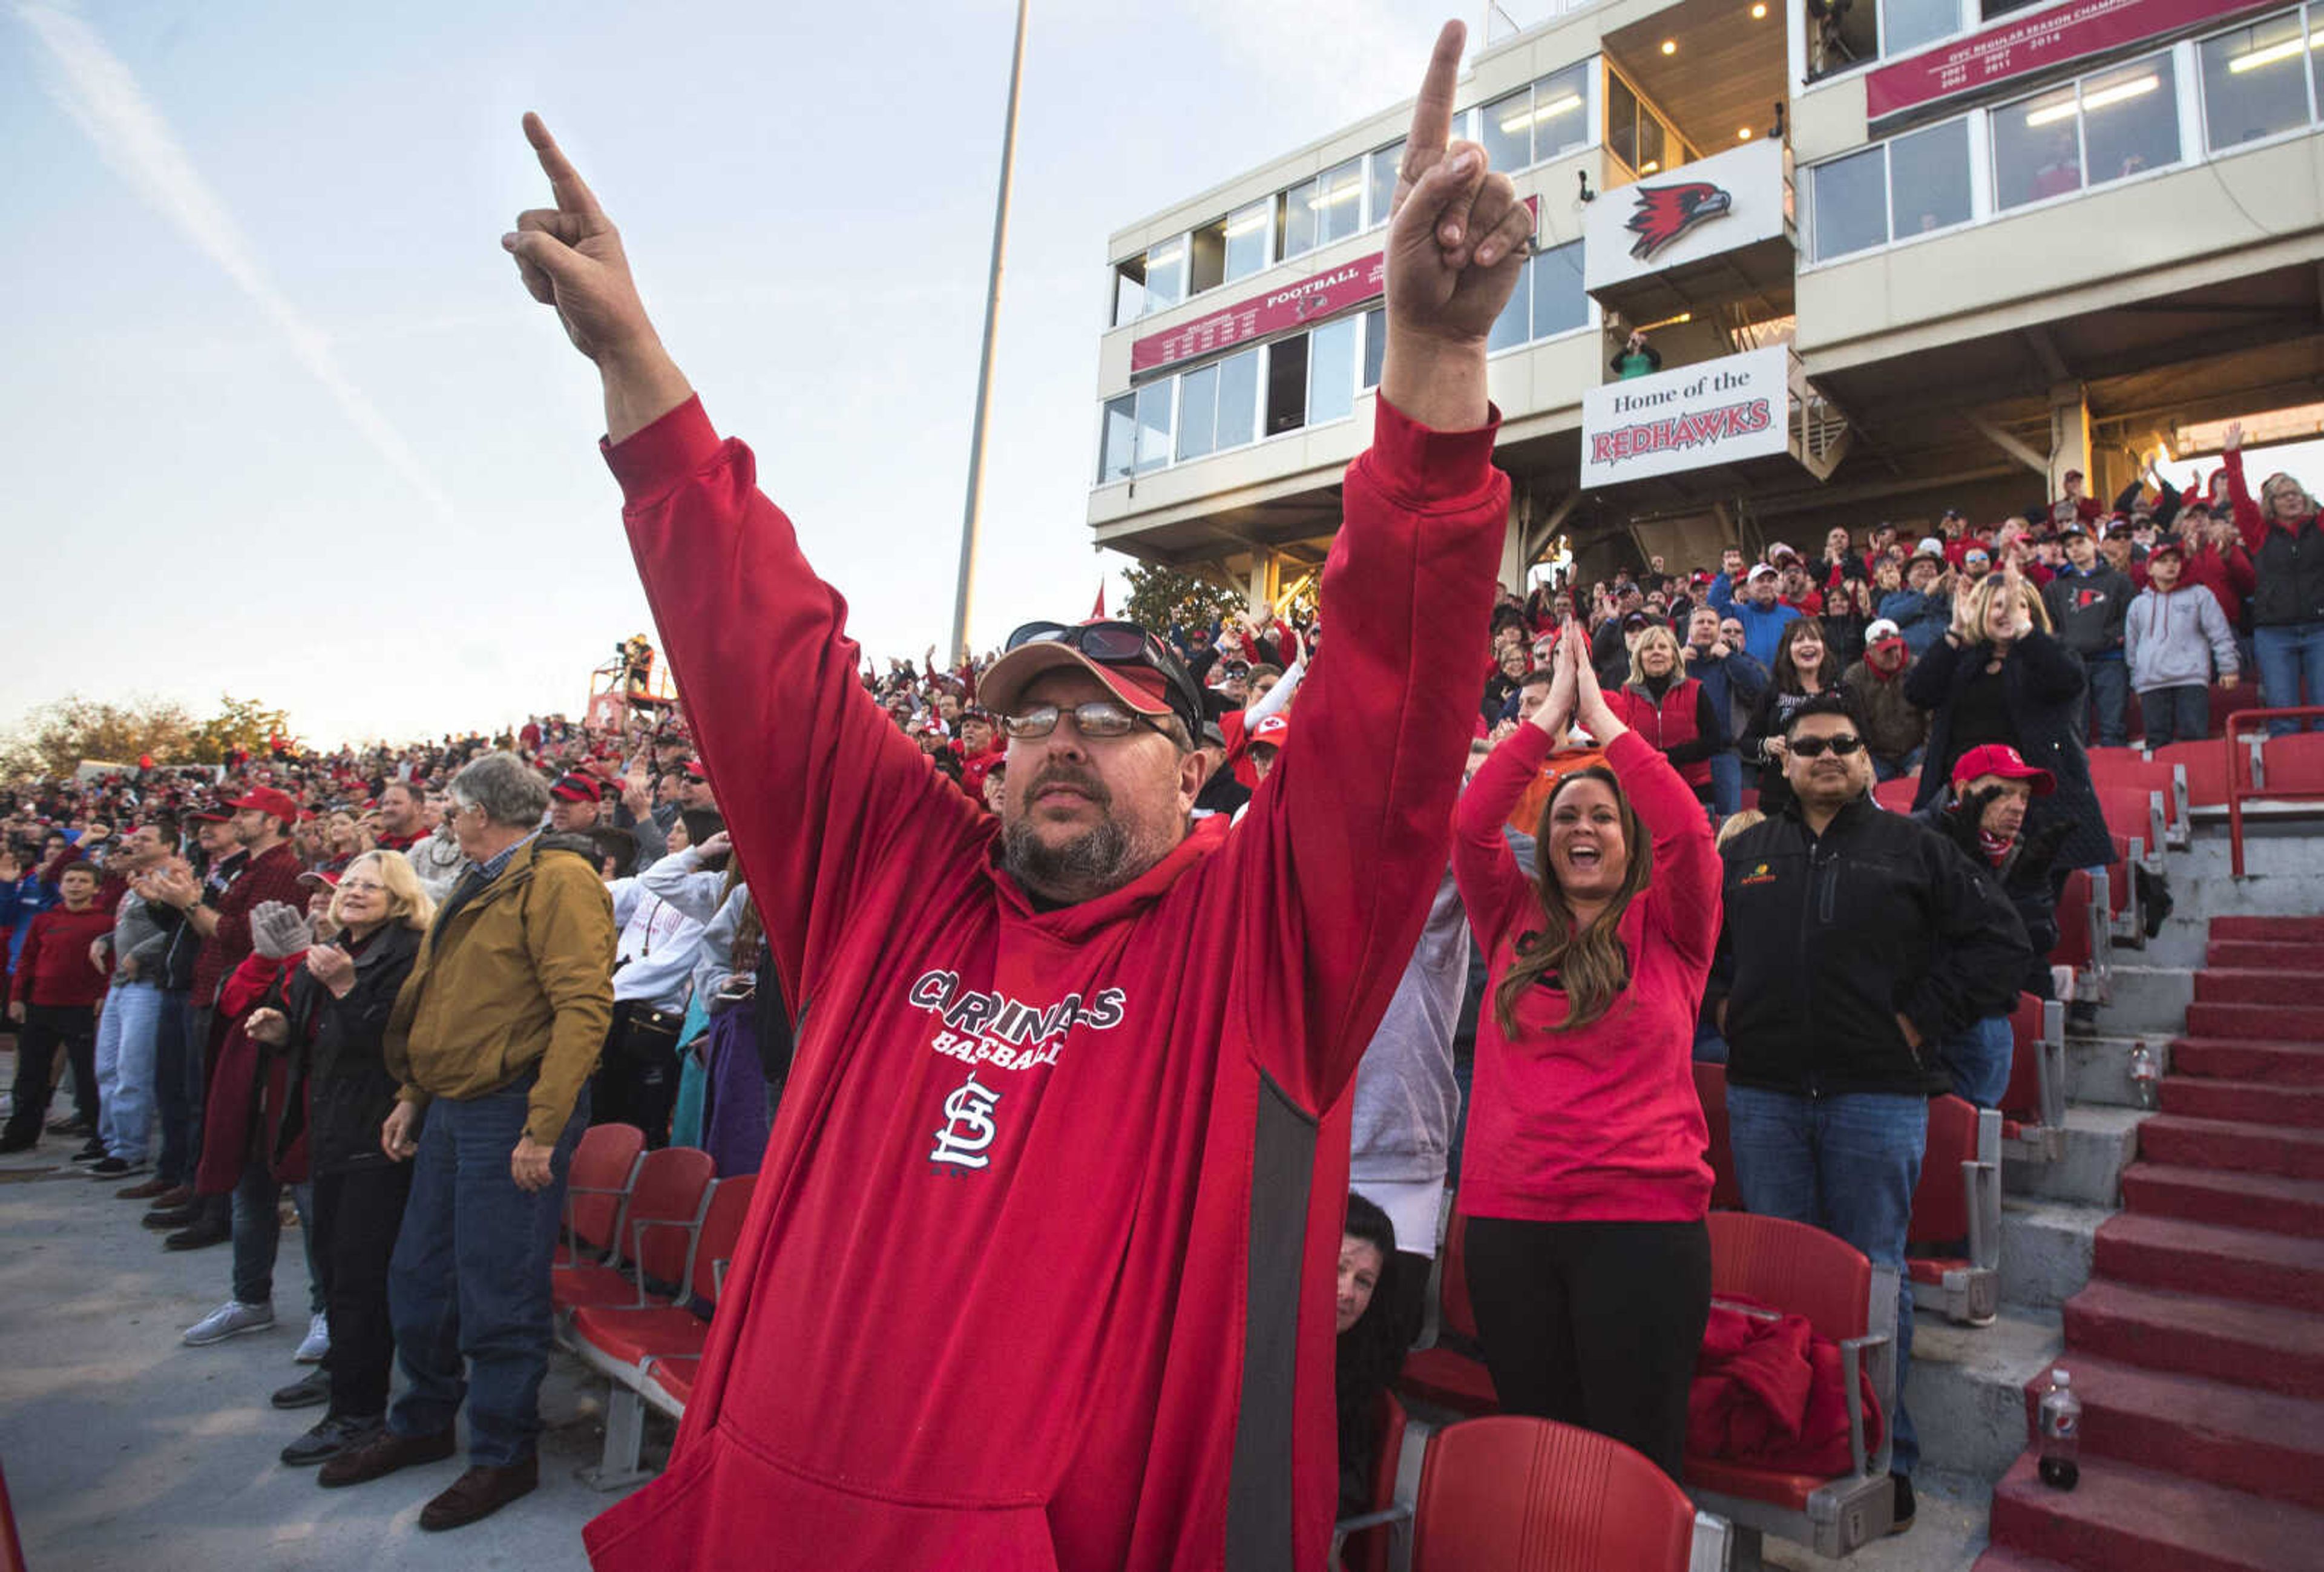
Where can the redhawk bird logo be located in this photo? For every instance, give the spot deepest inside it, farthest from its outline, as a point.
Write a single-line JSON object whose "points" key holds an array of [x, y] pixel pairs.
{"points": [[1666, 212]]}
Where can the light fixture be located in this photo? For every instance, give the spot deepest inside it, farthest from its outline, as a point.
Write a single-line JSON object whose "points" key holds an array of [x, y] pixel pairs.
{"points": [[2137, 88], [1670, 46], [1743, 133], [1760, 12], [1164, 255], [1650, 166], [2254, 58], [1249, 222], [1678, 321], [1518, 121], [1346, 192]]}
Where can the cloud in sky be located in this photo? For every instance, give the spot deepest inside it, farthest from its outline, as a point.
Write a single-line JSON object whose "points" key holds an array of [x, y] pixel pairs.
{"points": [[102, 95]]}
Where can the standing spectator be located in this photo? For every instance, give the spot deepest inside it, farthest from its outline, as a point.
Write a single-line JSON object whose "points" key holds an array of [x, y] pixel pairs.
{"points": [[178, 1067], [1733, 681], [1636, 357], [1854, 942], [1585, 1181], [402, 816], [52, 998], [653, 970], [127, 1030], [435, 857], [1894, 728], [2175, 637], [1670, 711], [2287, 609], [1803, 669], [493, 1039], [2087, 601], [1923, 608], [1764, 616], [2215, 559]]}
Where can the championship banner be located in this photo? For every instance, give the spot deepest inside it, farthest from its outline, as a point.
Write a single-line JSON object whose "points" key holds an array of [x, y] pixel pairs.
{"points": [[1310, 300], [1714, 411], [2022, 45]]}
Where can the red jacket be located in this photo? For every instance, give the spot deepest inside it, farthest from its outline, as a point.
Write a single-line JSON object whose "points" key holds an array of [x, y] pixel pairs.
{"points": [[1669, 725], [1038, 1270], [2227, 575], [1602, 1125], [53, 967], [272, 875], [1768, 1392]]}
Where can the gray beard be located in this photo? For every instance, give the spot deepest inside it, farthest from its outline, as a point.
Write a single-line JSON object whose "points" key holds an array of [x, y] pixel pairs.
{"points": [[1089, 864]]}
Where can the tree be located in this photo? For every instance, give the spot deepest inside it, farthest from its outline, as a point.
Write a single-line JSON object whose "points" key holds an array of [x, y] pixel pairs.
{"points": [[1160, 597], [55, 738], [240, 723]]}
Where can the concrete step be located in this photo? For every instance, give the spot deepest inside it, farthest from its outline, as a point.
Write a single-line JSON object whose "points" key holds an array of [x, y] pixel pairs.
{"points": [[2209, 1194], [2146, 1000], [1967, 1390], [2261, 1442], [2264, 954], [2236, 1263], [2252, 1102], [2124, 1518], [2277, 1148], [2255, 985], [2099, 1144], [2244, 1345], [2098, 1068], [2263, 1022], [2235, 1059], [2306, 930], [2046, 1248]]}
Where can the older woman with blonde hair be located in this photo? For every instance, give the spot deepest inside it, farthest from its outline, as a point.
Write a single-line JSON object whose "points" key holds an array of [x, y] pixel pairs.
{"points": [[2286, 542], [1670, 710], [331, 1020]]}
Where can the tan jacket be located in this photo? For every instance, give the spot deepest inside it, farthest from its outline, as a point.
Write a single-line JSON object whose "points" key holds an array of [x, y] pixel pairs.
{"points": [[522, 975]]}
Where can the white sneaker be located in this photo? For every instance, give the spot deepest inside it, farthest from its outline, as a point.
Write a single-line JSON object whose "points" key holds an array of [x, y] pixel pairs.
{"points": [[230, 1320], [317, 1343]]}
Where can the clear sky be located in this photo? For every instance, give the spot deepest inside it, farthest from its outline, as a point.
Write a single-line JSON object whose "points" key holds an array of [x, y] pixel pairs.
{"points": [[279, 416]]}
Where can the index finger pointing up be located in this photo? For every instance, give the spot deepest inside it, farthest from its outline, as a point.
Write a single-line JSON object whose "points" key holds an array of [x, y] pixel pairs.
{"points": [[572, 193], [1432, 112]]}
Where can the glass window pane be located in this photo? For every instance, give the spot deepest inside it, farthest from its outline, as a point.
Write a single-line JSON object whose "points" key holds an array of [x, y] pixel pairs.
{"points": [[1375, 345], [1154, 424], [1207, 268], [1851, 197], [1559, 123], [1928, 180], [1286, 385], [2315, 57], [1332, 370], [1129, 290], [1119, 442], [1559, 306], [1165, 276], [1514, 325], [1380, 177], [1621, 120], [1198, 397], [1340, 202], [2130, 119], [1907, 24], [1237, 400], [1509, 131], [2252, 85], [1249, 234], [2035, 151], [1299, 220], [1653, 154]]}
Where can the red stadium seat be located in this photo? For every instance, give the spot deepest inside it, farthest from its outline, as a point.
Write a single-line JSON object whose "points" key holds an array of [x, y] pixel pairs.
{"points": [[2084, 943], [664, 1210], [2133, 813], [1711, 1085], [1451, 1377], [1955, 1229], [2128, 767], [1797, 1269], [1371, 1541], [2206, 765], [668, 1383], [2033, 1106], [1507, 1493], [1897, 796], [2294, 762], [596, 1192]]}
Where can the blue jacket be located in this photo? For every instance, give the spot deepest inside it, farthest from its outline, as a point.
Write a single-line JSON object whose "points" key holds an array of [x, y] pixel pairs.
{"points": [[1724, 682], [1763, 631], [20, 902], [1922, 619]]}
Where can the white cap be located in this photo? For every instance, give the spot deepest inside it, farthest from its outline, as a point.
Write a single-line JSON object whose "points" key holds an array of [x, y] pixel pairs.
{"points": [[1929, 545], [1756, 570], [1880, 628]]}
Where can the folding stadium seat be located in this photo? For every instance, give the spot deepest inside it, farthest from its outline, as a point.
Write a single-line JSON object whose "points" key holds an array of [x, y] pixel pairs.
{"points": [[1958, 1208], [1792, 1268], [625, 1341], [668, 1383], [1514, 1494], [2033, 1106], [1711, 1085], [1897, 796], [1450, 1377], [596, 1192], [2134, 813], [2206, 765], [2125, 921], [2084, 943], [2294, 762], [665, 1211], [2119, 767]]}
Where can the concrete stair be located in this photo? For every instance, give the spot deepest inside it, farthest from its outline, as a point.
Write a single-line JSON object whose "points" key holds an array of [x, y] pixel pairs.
{"points": [[2245, 1102], [2124, 1518], [2250, 1200], [2234, 1143]]}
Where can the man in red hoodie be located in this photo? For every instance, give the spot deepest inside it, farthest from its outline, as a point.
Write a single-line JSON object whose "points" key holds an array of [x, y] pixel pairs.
{"points": [[53, 1000], [1039, 1274]]}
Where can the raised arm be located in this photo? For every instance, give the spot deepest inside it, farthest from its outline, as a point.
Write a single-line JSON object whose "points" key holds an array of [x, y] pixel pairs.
{"points": [[1493, 888]]}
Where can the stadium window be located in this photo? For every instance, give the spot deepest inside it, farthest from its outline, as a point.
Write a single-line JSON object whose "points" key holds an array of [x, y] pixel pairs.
{"points": [[1506, 128], [1332, 370], [1559, 304], [1206, 262], [1374, 346], [1130, 290], [2253, 84], [1166, 274], [1928, 180], [2130, 119], [1117, 444], [1198, 404], [1561, 118], [1237, 400], [2037, 150], [1339, 201], [1514, 325], [1907, 24], [1286, 385], [1249, 234], [1850, 203], [1298, 220], [1153, 425], [1380, 182]]}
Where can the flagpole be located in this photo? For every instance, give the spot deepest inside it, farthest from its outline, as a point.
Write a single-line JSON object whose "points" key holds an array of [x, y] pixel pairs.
{"points": [[974, 506]]}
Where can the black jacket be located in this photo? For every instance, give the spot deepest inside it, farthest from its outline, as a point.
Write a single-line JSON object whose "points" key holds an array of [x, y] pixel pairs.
{"points": [[340, 1084], [2028, 878], [1828, 938], [2088, 610]]}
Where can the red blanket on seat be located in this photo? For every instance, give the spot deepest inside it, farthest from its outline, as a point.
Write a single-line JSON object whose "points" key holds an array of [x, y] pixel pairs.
{"points": [[1767, 1393]]}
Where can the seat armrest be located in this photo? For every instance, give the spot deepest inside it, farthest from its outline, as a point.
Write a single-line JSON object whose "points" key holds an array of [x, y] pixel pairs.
{"points": [[637, 1227]]}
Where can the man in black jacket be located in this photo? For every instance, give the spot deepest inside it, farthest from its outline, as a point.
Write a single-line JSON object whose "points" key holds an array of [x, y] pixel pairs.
{"points": [[1856, 941], [2087, 601]]}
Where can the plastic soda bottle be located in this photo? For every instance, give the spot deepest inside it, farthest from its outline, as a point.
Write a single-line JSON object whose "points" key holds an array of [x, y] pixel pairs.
{"points": [[2061, 1433]]}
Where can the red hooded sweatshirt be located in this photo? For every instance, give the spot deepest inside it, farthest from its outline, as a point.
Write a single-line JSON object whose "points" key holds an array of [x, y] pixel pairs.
{"points": [[1039, 1271]]}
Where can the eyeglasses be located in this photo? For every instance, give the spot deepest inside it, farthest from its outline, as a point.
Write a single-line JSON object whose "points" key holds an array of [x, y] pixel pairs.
{"points": [[1117, 644], [1841, 746], [1098, 717], [373, 885]]}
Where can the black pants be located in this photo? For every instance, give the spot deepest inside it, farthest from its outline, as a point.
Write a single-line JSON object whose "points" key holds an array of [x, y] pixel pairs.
{"points": [[47, 1027], [1594, 1324], [636, 1081], [357, 1214]]}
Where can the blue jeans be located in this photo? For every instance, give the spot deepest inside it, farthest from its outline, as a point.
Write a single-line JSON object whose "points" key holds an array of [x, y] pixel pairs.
{"points": [[2176, 714], [125, 1035], [1848, 1165], [175, 1089], [1726, 784], [469, 1278], [1883, 770], [1979, 1057], [2109, 701], [2287, 655], [258, 1235]]}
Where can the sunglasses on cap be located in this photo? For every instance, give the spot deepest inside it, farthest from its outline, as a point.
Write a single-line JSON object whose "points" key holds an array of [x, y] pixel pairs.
{"points": [[1841, 746], [1114, 643]]}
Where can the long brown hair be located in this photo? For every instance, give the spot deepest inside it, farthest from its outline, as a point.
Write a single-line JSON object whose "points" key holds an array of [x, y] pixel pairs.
{"points": [[1592, 966], [1787, 674]]}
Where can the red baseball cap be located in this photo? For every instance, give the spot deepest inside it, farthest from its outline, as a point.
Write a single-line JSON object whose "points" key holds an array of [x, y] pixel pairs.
{"points": [[694, 768], [1271, 732], [267, 799], [2001, 759], [320, 877], [574, 789], [1142, 686]]}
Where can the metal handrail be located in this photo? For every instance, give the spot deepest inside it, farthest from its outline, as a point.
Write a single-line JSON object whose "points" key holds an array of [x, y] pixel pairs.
{"points": [[2238, 792]]}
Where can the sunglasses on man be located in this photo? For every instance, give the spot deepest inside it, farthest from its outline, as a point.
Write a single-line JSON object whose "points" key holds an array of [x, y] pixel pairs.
{"points": [[1841, 746]]}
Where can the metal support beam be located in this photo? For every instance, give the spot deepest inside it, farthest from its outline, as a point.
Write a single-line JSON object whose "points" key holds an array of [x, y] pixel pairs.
{"points": [[1537, 540], [2045, 350], [2038, 463]]}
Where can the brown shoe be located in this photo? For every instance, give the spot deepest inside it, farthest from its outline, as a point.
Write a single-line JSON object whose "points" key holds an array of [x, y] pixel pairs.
{"points": [[383, 1456], [479, 1493], [152, 1189], [175, 1198]]}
